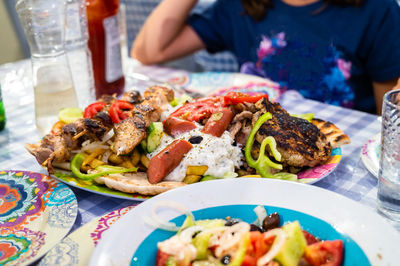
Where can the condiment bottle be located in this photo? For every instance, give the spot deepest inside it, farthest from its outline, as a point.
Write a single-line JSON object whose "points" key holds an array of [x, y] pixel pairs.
{"points": [[44, 25], [104, 44]]}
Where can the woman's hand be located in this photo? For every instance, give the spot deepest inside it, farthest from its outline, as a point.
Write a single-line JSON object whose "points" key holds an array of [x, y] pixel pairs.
{"points": [[165, 34]]}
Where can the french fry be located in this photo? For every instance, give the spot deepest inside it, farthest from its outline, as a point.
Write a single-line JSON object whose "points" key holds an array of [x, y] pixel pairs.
{"points": [[135, 157], [144, 160], [196, 170], [190, 179], [127, 164], [92, 156], [96, 162], [115, 159]]}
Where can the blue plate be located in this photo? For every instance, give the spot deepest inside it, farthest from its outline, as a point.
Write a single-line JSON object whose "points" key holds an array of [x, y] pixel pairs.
{"points": [[353, 254]]}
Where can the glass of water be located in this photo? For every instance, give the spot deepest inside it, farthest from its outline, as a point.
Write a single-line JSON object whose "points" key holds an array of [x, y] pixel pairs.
{"points": [[389, 166]]}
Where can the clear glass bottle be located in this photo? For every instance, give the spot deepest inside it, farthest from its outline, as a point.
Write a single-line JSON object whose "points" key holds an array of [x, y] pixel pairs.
{"points": [[79, 55], [44, 25]]}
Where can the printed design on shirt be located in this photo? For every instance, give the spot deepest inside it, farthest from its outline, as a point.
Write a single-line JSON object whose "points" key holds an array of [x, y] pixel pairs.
{"points": [[268, 47], [339, 72], [327, 78]]}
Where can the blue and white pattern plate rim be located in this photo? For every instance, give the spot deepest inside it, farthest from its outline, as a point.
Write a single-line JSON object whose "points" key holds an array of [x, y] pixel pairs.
{"points": [[36, 212]]}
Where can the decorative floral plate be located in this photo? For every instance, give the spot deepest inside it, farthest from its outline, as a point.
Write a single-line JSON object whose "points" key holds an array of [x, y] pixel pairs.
{"points": [[76, 248], [220, 83], [36, 212], [320, 211], [370, 154]]}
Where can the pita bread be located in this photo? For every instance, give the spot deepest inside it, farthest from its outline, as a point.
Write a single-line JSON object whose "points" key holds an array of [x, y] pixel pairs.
{"points": [[136, 183], [335, 136]]}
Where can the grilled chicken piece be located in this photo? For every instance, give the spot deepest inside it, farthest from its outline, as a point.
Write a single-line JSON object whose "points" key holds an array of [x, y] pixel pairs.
{"points": [[57, 147], [131, 131], [299, 141], [132, 97]]}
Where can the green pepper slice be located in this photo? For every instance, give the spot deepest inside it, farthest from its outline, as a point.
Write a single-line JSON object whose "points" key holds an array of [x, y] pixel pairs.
{"points": [[263, 164], [78, 159]]}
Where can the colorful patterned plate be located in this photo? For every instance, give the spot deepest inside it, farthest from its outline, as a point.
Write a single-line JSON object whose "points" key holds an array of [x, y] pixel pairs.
{"points": [[219, 83], [320, 211], [309, 176], [36, 212], [370, 153], [77, 248]]}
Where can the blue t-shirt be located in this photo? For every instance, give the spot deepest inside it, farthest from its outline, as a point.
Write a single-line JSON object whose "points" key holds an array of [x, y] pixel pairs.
{"points": [[326, 52]]}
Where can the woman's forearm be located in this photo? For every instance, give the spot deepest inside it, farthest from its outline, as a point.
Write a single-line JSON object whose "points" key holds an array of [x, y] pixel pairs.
{"points": [[162, 27]]}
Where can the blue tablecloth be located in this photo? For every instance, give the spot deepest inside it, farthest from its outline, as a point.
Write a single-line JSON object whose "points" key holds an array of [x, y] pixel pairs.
{"points": [[350, 178]]}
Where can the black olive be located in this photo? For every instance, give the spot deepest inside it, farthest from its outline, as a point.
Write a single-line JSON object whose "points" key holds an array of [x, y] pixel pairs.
{"points": [[195, 139], [231, 222], [226, 259], [254, 227], [271, 221]]}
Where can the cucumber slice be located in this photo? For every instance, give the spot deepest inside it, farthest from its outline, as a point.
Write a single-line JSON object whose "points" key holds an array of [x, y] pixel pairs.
{"points": [[69, 115], [294, 246], [155, 132]]}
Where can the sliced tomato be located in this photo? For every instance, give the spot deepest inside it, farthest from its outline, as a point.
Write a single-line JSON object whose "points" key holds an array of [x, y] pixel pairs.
{"points": [[161, 258], [233, 98], [120, 110], [311, 239], [93, 109], [258, 247], [199, 109], [326, 253]]}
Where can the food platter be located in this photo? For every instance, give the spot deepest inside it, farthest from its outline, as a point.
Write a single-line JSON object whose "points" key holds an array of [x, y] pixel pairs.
{"points": [[342, 215], [220, 83], [370, 153], [36, 213], [76, 248], [309, 176]]}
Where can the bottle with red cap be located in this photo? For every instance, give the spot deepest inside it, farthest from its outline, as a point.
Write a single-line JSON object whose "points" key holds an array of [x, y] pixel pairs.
{"points": [[104, 44]]}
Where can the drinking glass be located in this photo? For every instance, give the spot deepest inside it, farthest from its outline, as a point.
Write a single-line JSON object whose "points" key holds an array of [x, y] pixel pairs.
{"points": [[389, 166], [44, 25]]}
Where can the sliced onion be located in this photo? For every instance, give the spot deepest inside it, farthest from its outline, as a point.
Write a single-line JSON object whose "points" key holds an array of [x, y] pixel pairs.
{"points": [[232, 236], [157, 222], [261, 214], [62, 165], [187, 234], [280, 239], [106, 155], [108, 136], [94, 146]]}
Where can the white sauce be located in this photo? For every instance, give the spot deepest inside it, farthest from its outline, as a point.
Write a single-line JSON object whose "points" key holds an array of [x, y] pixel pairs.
{"points": [[217, 153]]}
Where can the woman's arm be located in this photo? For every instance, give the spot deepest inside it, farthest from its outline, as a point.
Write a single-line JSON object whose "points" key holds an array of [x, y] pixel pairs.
{"points": [[165, 34], [380, 88]]}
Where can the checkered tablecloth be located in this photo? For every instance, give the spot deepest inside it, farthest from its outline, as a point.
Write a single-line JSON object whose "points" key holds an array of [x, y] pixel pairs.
{"points": [[350, 178]]}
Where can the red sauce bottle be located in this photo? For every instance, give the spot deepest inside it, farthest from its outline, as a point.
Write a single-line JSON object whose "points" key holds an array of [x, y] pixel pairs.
{"points": [[104, 44]]}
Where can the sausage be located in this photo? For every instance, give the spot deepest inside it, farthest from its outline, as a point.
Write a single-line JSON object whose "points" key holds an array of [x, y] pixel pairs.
{"points": [[175, 126], [218, 122], [167, 160]]}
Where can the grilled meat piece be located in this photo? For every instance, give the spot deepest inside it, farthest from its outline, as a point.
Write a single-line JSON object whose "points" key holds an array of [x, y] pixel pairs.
{"points": [[132, 97], [131, 131], [50, 148], [57, 147], [299, 141]]}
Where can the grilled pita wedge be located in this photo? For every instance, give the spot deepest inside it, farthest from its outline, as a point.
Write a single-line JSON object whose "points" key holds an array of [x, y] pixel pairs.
{"points": [[335, 136]]}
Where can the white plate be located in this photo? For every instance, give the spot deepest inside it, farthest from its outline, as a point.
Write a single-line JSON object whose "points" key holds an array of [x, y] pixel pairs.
{"points": [[370, 153], [372, 233]]}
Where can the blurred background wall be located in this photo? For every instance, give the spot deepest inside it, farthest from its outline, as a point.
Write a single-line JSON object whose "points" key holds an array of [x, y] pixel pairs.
{"points": [[10, 47]]}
